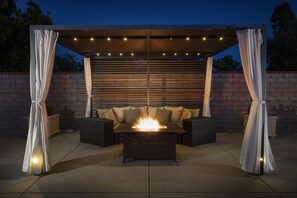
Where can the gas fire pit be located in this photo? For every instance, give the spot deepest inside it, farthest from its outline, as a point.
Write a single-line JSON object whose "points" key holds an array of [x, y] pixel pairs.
{"points": [[149, 142]]}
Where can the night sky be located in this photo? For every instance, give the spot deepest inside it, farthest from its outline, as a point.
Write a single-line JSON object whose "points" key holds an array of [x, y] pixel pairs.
{"points": [[152, 12]]}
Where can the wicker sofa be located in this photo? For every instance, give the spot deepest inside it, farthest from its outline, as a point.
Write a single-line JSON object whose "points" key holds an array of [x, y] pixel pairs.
{"points": [[100, 131]]}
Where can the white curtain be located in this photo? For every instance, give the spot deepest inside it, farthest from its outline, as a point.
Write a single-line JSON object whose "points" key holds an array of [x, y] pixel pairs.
{"points": [[36, 159], [250, 42], [88, 80], [207, 89]]}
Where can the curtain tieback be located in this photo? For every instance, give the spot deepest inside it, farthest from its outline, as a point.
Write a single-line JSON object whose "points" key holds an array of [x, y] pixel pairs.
{"points": [[36, 102]]}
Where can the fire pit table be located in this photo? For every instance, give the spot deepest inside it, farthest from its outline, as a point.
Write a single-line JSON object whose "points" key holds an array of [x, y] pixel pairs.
{"points": [[145, 144]]}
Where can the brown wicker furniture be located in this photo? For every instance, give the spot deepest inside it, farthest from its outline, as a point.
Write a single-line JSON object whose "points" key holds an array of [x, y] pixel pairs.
{"points": [[149, 144]]}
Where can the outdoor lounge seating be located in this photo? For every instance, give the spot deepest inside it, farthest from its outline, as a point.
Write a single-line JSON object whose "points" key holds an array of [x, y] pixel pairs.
{"points": [[100, 131]]}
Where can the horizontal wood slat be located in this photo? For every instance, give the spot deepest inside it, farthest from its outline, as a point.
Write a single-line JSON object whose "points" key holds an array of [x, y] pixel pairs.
{"points": [[125, 82]]}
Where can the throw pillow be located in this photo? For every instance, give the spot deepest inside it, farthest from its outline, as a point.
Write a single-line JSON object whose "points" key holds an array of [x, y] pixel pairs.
{"points": [[185, 115], [176, 113], [101, 111], [194, 112], [110, 115], [119, 113], [131, 115], [152, 111], [143, 111], [163, 116]]}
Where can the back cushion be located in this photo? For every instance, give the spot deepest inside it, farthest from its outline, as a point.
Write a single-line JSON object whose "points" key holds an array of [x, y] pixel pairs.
{"points": [[131, 115], [143, 111], [194, 112], [119, 112], [175, 114], [152, 111], [163, 116], [110, 115]]}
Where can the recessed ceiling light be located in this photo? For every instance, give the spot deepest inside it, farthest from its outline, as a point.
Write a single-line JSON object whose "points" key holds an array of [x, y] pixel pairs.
{"points": [[187, 54], [75, 39], [121, 54], [188, 38], [108, 39], [125, 39], [164, 54], [204, 38], [92, 39], [98, 54], [132, 54], [109, 54], [221, 38], [175, 54]]}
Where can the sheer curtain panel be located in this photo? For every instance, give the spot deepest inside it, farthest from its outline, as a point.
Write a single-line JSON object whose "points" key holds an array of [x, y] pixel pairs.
{"points": [[207, 89], [88, 80], [250, 42], [36, 158]]}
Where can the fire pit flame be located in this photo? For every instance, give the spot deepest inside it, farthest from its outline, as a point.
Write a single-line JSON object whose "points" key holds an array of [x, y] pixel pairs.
{"points": [[148, 124]]}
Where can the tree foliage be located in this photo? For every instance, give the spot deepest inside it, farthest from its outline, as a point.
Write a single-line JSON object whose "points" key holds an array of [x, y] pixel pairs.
{"points": [[14, 34], [282, 47], [226, 63], [67, 62]]}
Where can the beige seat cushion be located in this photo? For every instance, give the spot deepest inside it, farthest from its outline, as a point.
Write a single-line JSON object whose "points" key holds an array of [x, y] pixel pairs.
{"points": [[110, 115], [152, 111], [143, 111], [163, 116], [194, 112], [176, 113], [131, 115], [119, 113]]}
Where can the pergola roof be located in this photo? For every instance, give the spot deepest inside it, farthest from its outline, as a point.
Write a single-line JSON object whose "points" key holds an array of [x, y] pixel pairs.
{"points": [[154, 41]]}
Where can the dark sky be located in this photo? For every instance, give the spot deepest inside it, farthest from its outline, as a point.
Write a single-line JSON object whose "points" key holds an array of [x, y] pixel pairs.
{"points": [[169, 12]]}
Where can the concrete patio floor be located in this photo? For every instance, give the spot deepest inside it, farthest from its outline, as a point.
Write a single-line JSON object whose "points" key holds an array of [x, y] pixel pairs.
{"points": [[206, 171]]}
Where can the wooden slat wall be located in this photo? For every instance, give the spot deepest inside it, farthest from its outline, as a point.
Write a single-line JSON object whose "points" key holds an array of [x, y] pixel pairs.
{"points": [[118, 83], [177, 83], [124, 82]]}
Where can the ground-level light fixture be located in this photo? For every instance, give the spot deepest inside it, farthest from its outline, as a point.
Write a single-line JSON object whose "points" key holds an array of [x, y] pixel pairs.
{"points": [[198, 54], [75, 39], [188, 38], [125, 39], [108, 39], [175, 54], [221, 38], [132, 54], [109, 54], [121, 54], [98, 54], [204, 38], [164, 54], [187, 54], [92, 39]]}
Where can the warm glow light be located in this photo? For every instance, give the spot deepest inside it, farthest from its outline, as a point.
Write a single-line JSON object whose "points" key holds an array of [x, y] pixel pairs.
{"points": [[121, 54], [188, 38], [75, 39], [108, 38], [35, 160], [92, 39], [187, 54], [175, 54], [132, 54], [198, 54], [109, 54], [164, 54], [261, 159], [221, 38], [204, 38], [125, 38], [148, 124], [98, 54], [171, 39]]}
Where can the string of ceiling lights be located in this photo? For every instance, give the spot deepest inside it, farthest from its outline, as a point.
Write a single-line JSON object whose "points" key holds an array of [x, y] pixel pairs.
{"points": [[125, 39]]}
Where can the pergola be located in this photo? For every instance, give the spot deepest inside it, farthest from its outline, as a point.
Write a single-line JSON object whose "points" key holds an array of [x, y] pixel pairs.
{"points": [[147, 42]]}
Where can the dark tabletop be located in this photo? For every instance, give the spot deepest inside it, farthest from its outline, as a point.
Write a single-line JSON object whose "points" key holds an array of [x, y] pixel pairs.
{"points": [[171, 128]]}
